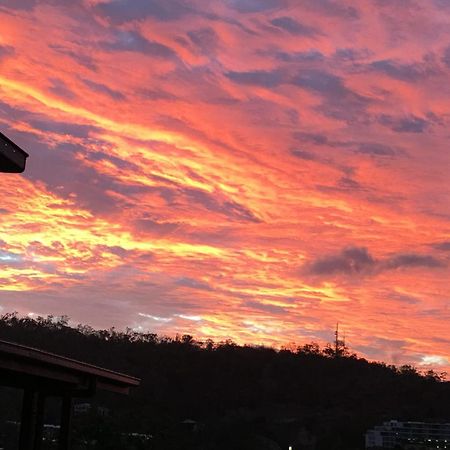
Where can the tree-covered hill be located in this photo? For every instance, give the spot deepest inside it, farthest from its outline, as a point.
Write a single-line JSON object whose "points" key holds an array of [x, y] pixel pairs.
{"points": [[205, 395]]}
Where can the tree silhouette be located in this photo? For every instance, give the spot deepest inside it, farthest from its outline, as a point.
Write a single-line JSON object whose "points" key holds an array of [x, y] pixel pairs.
{"points": [[234, 392]]}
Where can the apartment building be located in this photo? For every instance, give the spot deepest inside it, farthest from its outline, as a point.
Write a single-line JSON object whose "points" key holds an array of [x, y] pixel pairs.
{"points": [[409, 435]]}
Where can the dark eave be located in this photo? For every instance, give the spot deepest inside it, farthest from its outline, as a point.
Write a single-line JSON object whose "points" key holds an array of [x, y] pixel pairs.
{"points": [[12, 157], [25, 364]]}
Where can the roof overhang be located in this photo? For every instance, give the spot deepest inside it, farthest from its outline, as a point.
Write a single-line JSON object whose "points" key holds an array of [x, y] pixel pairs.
{"points": [[22, 366], [12, 157]]}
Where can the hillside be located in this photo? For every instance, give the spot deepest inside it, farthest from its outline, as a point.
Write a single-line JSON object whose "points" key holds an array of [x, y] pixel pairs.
{"points": [[239, 397]]}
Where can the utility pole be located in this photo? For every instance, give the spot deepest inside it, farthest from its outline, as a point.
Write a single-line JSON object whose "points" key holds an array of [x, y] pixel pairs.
{"points": [[336, 341], [339, 344]]}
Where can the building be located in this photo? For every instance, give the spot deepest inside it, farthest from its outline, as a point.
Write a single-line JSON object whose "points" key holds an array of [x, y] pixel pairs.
{"points": [[80, 409], [12, 157], [42, 374], [409, 435]]}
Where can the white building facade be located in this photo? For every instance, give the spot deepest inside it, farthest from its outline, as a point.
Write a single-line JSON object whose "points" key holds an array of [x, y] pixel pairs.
{"points": [[409, 435]]}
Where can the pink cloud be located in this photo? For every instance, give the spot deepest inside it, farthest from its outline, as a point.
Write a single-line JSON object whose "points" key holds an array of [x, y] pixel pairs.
{"points": [[192, 161]]}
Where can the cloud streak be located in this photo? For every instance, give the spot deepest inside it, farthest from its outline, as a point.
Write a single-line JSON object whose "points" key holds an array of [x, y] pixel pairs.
{"points": [[358, 261], [252, 169]]}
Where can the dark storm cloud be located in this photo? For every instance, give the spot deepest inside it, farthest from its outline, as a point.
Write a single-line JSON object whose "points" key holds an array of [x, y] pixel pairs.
{"points": [[293, 27], [268, 79], [351, 260], [358, 261], [103, 89], [412, 260], [132, 41], [121, 11], [254, 6], [410, 124]]}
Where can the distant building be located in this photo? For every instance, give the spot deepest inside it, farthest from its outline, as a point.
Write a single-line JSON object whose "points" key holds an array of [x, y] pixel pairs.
{"points": [[40, 374], [103, 411], [81, 408], [136, 437], [50, 432], [84, 408], [409, 436]]}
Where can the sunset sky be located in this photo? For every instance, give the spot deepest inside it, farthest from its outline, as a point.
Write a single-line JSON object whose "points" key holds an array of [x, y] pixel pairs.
{"points": [[248, 169]]}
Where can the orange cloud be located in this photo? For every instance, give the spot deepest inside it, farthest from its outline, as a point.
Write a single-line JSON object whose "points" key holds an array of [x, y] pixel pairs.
{"points": [[254, 170]]}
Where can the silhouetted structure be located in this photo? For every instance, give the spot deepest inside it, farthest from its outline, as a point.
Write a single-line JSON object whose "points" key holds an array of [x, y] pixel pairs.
{"points": [[41, 374], [12, 157], [304, 397]]}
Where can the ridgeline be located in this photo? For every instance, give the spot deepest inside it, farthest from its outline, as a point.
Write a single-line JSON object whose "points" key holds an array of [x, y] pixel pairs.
{"points": [[214, 396]]}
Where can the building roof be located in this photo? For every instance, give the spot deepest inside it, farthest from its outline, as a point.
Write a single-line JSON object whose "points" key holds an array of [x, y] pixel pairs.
{"points": [[21, 365], [12, 157]]}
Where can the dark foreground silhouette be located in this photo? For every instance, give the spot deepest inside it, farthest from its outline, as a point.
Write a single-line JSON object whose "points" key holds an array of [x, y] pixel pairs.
{"points": [[213, 396]]}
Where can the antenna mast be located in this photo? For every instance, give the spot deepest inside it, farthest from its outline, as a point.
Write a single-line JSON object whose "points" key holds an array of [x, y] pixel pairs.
{"points": [[336, 342]]}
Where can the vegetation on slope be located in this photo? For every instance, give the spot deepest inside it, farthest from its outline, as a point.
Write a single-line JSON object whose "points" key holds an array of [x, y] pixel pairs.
{"points": [[206, 395]]}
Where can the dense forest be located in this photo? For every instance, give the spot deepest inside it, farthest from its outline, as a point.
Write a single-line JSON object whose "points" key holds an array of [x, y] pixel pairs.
{"points": [[213, 396]]}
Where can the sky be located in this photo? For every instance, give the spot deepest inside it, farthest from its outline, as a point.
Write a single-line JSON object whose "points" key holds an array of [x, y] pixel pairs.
{"points": [[254, 170]]}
